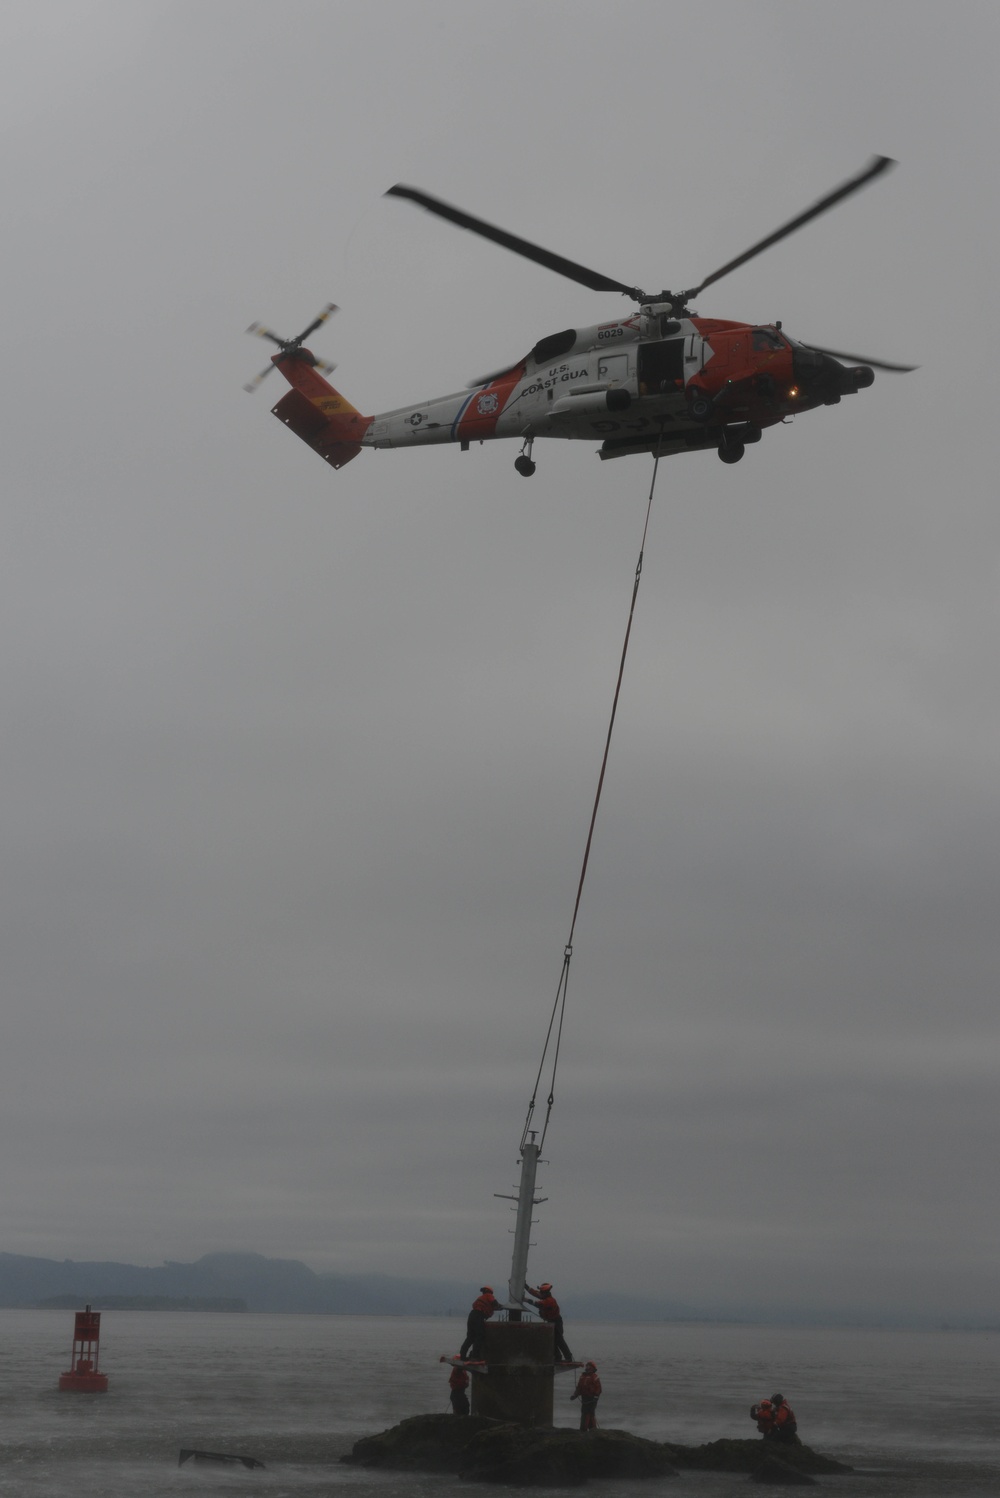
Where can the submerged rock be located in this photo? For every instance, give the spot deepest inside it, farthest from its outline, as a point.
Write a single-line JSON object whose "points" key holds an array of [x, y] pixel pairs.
{"points": [[777, 1473], [484, 1450]]}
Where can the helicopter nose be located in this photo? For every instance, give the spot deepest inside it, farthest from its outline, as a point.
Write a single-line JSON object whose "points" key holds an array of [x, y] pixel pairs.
{"points": [[863, 376], [813, 370], [853, 379], [824, 378]]}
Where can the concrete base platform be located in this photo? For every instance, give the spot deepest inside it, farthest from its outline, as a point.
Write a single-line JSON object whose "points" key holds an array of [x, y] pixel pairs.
{"points": [[518, 1386]]}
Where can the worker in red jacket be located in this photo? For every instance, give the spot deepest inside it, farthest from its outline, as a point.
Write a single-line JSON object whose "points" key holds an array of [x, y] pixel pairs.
{"points": [[483, 1306], [547, 1307], [785, 1425], [763, 1413], [588, 1391], [458, 1383]]}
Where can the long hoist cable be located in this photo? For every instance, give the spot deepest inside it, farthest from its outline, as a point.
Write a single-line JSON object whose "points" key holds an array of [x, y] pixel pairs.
{"points": [[559, 1006]]}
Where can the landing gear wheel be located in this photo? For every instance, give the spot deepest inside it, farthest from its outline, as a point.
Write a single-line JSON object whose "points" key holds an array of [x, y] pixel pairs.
{"points": [[700, 407], [524, 466], [731, 452]]}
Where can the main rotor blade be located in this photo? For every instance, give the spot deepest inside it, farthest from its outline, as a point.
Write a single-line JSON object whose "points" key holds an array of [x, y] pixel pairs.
{"points": [[875, 168], [860, 359], [488, 379], [563, 267]]}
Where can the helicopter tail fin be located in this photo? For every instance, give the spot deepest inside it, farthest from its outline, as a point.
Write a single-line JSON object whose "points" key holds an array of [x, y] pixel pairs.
{"points": [[319, 414]]}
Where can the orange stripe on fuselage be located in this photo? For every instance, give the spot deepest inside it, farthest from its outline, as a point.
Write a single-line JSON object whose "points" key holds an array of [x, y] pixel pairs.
{"points": [[485, 407]]}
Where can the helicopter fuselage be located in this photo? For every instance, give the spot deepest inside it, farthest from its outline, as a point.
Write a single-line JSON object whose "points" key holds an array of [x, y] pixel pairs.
{"points": [[642, 383], [661, 380]]}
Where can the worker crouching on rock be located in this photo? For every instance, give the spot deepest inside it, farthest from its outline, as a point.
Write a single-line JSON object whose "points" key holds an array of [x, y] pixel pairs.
{"points": [[785, 1425], [776, 1420], [483, 1306], [548, 1308], [588, 1391], [458, 1383]]}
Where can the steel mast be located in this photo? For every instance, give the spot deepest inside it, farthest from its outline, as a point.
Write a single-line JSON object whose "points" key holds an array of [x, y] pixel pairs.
{"points": [[526, 1202]]}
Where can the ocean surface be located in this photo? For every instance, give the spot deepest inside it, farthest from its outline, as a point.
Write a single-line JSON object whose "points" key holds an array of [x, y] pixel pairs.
{"points": [[915, 1413]]}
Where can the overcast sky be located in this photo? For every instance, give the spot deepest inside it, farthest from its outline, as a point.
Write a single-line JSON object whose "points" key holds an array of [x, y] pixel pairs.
{"points": [[298, 765]]}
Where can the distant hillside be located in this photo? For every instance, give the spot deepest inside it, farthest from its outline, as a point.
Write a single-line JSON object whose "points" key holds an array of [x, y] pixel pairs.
{"points": [[262, 1284], [252, 1282], [144, 1303]]}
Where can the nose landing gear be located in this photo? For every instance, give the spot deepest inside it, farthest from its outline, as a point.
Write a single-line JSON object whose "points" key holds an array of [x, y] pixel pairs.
{"points": [[734, 439], [731, 448], [522, 462]]}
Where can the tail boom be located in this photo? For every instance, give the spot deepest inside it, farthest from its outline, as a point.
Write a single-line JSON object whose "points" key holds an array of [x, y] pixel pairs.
{"points": [[317, 413]]}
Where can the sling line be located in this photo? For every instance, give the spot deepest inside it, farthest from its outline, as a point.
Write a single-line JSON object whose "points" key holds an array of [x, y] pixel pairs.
{"points": [[559, 1006]]}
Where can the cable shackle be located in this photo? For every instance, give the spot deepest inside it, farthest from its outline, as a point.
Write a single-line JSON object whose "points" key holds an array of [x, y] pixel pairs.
{"points": [[557, 1008]]}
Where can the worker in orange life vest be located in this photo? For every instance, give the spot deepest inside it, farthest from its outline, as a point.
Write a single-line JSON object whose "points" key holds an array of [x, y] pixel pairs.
{"points": [[483, 1306], [548, 1308], [588, 1391], [458, 1383], [763, 1413], [785, 1424]]}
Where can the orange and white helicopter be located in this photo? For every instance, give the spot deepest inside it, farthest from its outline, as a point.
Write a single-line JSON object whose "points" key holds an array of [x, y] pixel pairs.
{"points": [[662, 380]]}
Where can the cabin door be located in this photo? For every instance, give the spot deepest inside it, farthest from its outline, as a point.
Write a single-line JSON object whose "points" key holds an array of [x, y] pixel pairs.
{"points": [[612, 369]]}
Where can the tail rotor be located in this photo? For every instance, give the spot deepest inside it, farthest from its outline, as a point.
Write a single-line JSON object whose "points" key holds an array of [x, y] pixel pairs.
{"points": [[292, 347]]}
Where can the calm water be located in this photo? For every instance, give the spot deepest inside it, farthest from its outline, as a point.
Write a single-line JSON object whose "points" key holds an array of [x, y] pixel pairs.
{"points": [[917, 1413]]}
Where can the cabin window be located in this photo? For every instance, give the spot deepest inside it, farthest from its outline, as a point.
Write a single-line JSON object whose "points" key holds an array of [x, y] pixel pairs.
{"points": [[766, 340]]}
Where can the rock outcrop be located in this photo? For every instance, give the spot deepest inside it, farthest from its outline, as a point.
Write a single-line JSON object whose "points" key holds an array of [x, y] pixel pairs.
{"points": [[749, 1456], [484, 1451]]}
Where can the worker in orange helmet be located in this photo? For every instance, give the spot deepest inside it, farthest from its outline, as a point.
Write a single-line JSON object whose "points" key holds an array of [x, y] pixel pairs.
{"points": [[483, 1306], [458, 1382], [785, 1424], [588, 1391], [547, 1307], [763, 1413]]}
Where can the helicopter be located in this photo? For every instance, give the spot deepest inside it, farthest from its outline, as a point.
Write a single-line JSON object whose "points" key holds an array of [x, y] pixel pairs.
{"points": [[660, 380]]}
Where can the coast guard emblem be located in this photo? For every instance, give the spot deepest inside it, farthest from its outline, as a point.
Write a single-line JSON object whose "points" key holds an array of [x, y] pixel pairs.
{"points": [[487, 404]]}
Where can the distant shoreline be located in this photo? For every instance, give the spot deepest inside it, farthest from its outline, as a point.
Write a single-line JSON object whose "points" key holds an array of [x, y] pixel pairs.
{"points": [[142, 1303], [251, 1283], [192, 1305]]}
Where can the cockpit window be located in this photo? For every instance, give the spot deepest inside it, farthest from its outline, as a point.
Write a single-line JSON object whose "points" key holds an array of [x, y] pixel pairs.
{"points": [[766, 340]]}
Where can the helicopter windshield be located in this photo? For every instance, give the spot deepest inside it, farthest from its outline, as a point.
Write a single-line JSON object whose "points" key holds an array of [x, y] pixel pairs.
{"points": [[767, 340]]}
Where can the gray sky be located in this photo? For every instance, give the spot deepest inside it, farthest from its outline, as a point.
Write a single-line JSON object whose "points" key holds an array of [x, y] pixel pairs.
{"points": [[297, 765]]}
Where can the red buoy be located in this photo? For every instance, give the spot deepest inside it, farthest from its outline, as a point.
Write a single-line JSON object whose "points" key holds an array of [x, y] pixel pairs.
{"points": [[83, 1374]]}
